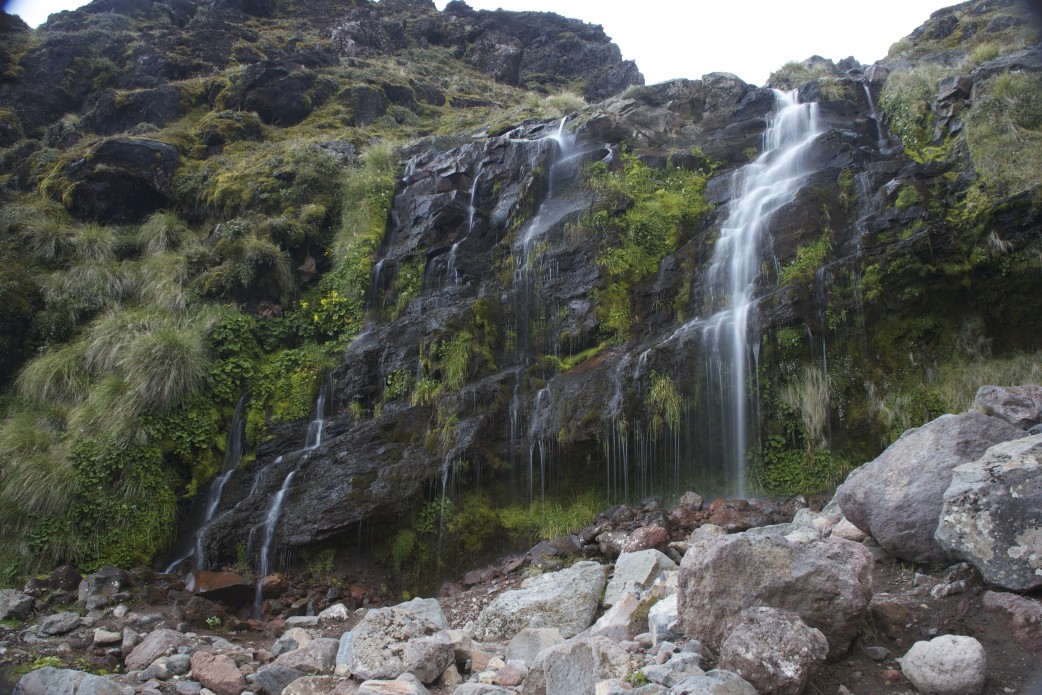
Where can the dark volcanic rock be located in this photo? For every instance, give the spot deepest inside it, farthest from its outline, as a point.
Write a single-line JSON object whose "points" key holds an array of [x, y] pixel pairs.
{"points": [[121, 180]]}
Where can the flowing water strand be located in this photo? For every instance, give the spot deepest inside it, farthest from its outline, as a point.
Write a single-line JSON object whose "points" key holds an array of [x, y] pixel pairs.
{"points": [[312, 440], [759, 189]]}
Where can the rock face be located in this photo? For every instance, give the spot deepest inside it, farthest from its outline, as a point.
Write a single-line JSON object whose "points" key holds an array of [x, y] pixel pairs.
{"points": [[946, 665], [897, 498], [566, 600], [992, 515], [826, 583], [123, 180], [774, 650]]}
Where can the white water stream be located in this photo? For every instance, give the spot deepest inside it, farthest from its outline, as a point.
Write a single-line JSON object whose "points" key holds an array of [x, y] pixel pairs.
{"points": [[759, 190], [312, 441]]}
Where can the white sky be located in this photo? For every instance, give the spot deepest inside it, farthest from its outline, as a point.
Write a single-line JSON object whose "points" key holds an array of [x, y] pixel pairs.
{"points": [[688, 38]]}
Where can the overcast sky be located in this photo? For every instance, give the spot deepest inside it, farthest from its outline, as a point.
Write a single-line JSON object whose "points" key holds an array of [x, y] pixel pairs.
{"points": [[688, 38]]}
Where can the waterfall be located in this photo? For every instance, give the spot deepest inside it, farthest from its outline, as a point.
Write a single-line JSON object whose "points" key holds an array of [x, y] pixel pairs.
{"points": [[759, 190], [312, 440], [233, 450]]}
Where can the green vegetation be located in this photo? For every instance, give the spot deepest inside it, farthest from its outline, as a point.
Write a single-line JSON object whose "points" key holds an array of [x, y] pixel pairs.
{"points": [[657, 206], [1004, 133], [446, 534]]}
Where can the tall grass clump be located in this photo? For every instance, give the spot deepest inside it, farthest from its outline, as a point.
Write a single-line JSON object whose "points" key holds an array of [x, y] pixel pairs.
{"points": [[906, 99], [807, 395], [162, 231], [1004, 133]]}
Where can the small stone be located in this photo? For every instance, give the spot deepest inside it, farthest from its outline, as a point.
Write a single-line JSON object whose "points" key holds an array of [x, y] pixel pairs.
{"points": [[104, 637], [891, 675], [946, 665], [877, 653], [59, 623]]}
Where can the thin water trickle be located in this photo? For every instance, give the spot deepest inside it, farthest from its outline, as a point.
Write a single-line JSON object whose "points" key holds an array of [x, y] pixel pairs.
{"points": [[233, 451], [312, 440]]}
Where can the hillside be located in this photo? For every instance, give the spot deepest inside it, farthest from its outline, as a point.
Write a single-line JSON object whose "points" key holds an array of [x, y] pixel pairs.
{"points": [[489, 255]]}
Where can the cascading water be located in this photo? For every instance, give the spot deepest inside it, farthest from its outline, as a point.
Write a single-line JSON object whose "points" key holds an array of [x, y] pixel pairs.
{"points": [[233, 451], [759, 189], [312, 441]]}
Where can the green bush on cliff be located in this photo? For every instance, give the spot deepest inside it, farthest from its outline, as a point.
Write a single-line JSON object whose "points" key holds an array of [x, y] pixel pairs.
{"points": [[658, 205]]}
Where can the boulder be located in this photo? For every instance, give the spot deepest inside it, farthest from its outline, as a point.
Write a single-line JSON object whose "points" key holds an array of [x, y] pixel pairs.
{"points": [[576, 666], [14, 605], [992, 514], [217, 672], [97, 589], [617, 621], [337, 613], [827, 583], [774, 650], [65, 578], [321, 685], [293, 638], [1020, 406], [58, 623], [406, 684], [272, 680], [566, 600], [664, 619], [161, 642], [639, 569], [946, 665], [527, 643], [389, 642], [715, 682], [62, 681], [897, 497], [224, 586], [1024, 618], [427, 608], [123, 180], [318, 656]]}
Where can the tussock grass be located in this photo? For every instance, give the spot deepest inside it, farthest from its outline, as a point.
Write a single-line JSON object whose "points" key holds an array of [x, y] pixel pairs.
{"points": [[808, 396], [57, 377], [37, 473]]}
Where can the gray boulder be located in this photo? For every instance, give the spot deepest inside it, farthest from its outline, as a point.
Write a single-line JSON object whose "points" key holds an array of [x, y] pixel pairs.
{"points": [[946, 665], [576, 666], [58, 623], [273, 679], [428, 608], [318, 656], [97, 589], [389, 642], [566, 600], [774, 650], [14, 604], [527, 643], [639, 569], [828, 583], [1020, 406], [62, 681], [161, 642], [992, 514], [715, 682], [897, 497], [664, 620]]}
